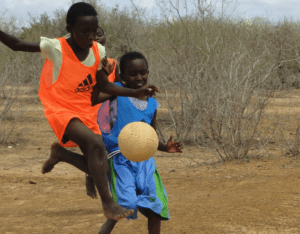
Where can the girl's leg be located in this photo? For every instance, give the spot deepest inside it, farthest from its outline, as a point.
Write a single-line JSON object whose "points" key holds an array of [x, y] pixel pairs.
{"points": [[154, 222], [107, 227], [95, 164]]}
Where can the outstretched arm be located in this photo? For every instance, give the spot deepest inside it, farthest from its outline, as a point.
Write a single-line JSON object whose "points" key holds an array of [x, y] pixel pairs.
{"points": [[171, 146], [98, 97], [103, 85], [16, 44]]}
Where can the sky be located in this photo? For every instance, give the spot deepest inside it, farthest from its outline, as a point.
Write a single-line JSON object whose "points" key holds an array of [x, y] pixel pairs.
{"points": [[274, 10]]}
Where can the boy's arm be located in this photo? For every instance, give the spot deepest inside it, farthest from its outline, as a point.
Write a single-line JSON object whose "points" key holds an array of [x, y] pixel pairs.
{"points": [[170, 147], [98, 97], [103, 85], [18, 45]]}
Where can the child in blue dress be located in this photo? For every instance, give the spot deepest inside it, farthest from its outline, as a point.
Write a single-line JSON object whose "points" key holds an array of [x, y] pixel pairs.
{"points": [[134, 185]]}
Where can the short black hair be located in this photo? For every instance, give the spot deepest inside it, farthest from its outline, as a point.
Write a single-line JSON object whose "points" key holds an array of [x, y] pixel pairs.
{"points": [[129, 56], [79, 9]]}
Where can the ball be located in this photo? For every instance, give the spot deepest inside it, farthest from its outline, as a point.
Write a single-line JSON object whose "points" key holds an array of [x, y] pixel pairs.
{"points": [[138, 141]]}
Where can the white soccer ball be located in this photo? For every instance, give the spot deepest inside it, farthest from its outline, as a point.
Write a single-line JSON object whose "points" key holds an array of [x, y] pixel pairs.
{"points": [[138, 141]]}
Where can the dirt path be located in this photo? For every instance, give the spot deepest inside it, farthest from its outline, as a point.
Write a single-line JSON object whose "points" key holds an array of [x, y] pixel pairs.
{"points": [[258, 196]]}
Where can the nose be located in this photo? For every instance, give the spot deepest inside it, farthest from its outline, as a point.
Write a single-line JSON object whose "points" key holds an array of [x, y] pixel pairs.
{"points": [[91, 36], [139, 76]]}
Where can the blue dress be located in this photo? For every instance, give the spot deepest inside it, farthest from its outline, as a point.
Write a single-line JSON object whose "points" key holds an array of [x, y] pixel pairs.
{"points": [[134, 185]]}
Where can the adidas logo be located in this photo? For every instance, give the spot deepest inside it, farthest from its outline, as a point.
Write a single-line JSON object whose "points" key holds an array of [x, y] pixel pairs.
{"points": [[85, 85]]}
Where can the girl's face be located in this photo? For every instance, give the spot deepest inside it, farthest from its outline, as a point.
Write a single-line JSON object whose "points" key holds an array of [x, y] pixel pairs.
{"points": [[135, 74], [100, 37], [83, 32]]}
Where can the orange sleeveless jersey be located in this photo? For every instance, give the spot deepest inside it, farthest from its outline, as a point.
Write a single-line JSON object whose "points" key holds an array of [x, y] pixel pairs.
{"points": [[70, 95], [112, 76]]}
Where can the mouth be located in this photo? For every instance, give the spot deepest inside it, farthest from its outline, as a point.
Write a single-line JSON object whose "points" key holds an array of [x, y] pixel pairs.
{"points": [[140, 84]]}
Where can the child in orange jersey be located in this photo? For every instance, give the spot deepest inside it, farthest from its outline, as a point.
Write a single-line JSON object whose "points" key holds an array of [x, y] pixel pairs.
{"points": [[71, 71]]}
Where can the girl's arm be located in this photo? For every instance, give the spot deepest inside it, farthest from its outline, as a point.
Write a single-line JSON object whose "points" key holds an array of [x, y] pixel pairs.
{"points": [[170, 147], [18, 45]]}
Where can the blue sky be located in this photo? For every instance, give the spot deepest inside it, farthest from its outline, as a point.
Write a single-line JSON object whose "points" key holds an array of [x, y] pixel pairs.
{"points": [[272, 9]]}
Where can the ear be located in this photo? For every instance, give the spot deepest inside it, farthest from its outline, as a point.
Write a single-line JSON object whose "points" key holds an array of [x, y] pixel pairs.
{"points": [[68, 27], [122, 77], [122, 80]]}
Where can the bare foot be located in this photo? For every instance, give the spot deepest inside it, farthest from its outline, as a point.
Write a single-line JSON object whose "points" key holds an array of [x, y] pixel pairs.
{"points": [[90, 187], [50, 163], [115, 211]]}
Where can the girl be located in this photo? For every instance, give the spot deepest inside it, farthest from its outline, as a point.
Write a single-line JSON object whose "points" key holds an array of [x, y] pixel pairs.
{"points": [[134, 185], [71, 70]]}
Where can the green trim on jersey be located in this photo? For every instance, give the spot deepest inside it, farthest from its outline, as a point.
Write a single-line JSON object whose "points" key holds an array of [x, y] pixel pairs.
{"points": [[113, 180], [160, 193]]}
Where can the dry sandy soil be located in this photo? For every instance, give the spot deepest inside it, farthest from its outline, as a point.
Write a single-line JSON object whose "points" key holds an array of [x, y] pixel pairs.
{"points": [[260, 195]]}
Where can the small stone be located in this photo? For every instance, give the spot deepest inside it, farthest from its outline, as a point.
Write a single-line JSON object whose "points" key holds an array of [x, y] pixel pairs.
{"points": [[9, 147], [32, 182]]}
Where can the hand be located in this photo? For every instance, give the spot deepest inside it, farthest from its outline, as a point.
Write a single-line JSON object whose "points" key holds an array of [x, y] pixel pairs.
{"points": [[148, 90], [173, 147], [107, 66]]}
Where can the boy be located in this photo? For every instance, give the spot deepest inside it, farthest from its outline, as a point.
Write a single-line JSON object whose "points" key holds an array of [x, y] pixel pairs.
{"points": [[70, 72]]}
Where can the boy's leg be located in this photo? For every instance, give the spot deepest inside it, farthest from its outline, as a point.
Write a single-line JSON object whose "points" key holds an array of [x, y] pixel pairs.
{"points": [[90, 186], [154, 222], [96, 165], [107, 227], [60, 154]]}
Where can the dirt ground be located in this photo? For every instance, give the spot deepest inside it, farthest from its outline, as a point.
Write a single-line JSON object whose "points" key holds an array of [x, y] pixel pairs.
{"points": [[260, 195]]}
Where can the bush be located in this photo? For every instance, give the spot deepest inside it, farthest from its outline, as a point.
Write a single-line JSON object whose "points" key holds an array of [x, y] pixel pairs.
{"points": [[214, 74]]}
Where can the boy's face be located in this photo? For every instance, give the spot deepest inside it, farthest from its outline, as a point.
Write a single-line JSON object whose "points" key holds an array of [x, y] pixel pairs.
{"points": [[100, 37], [83, 32], [135, 74]]}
